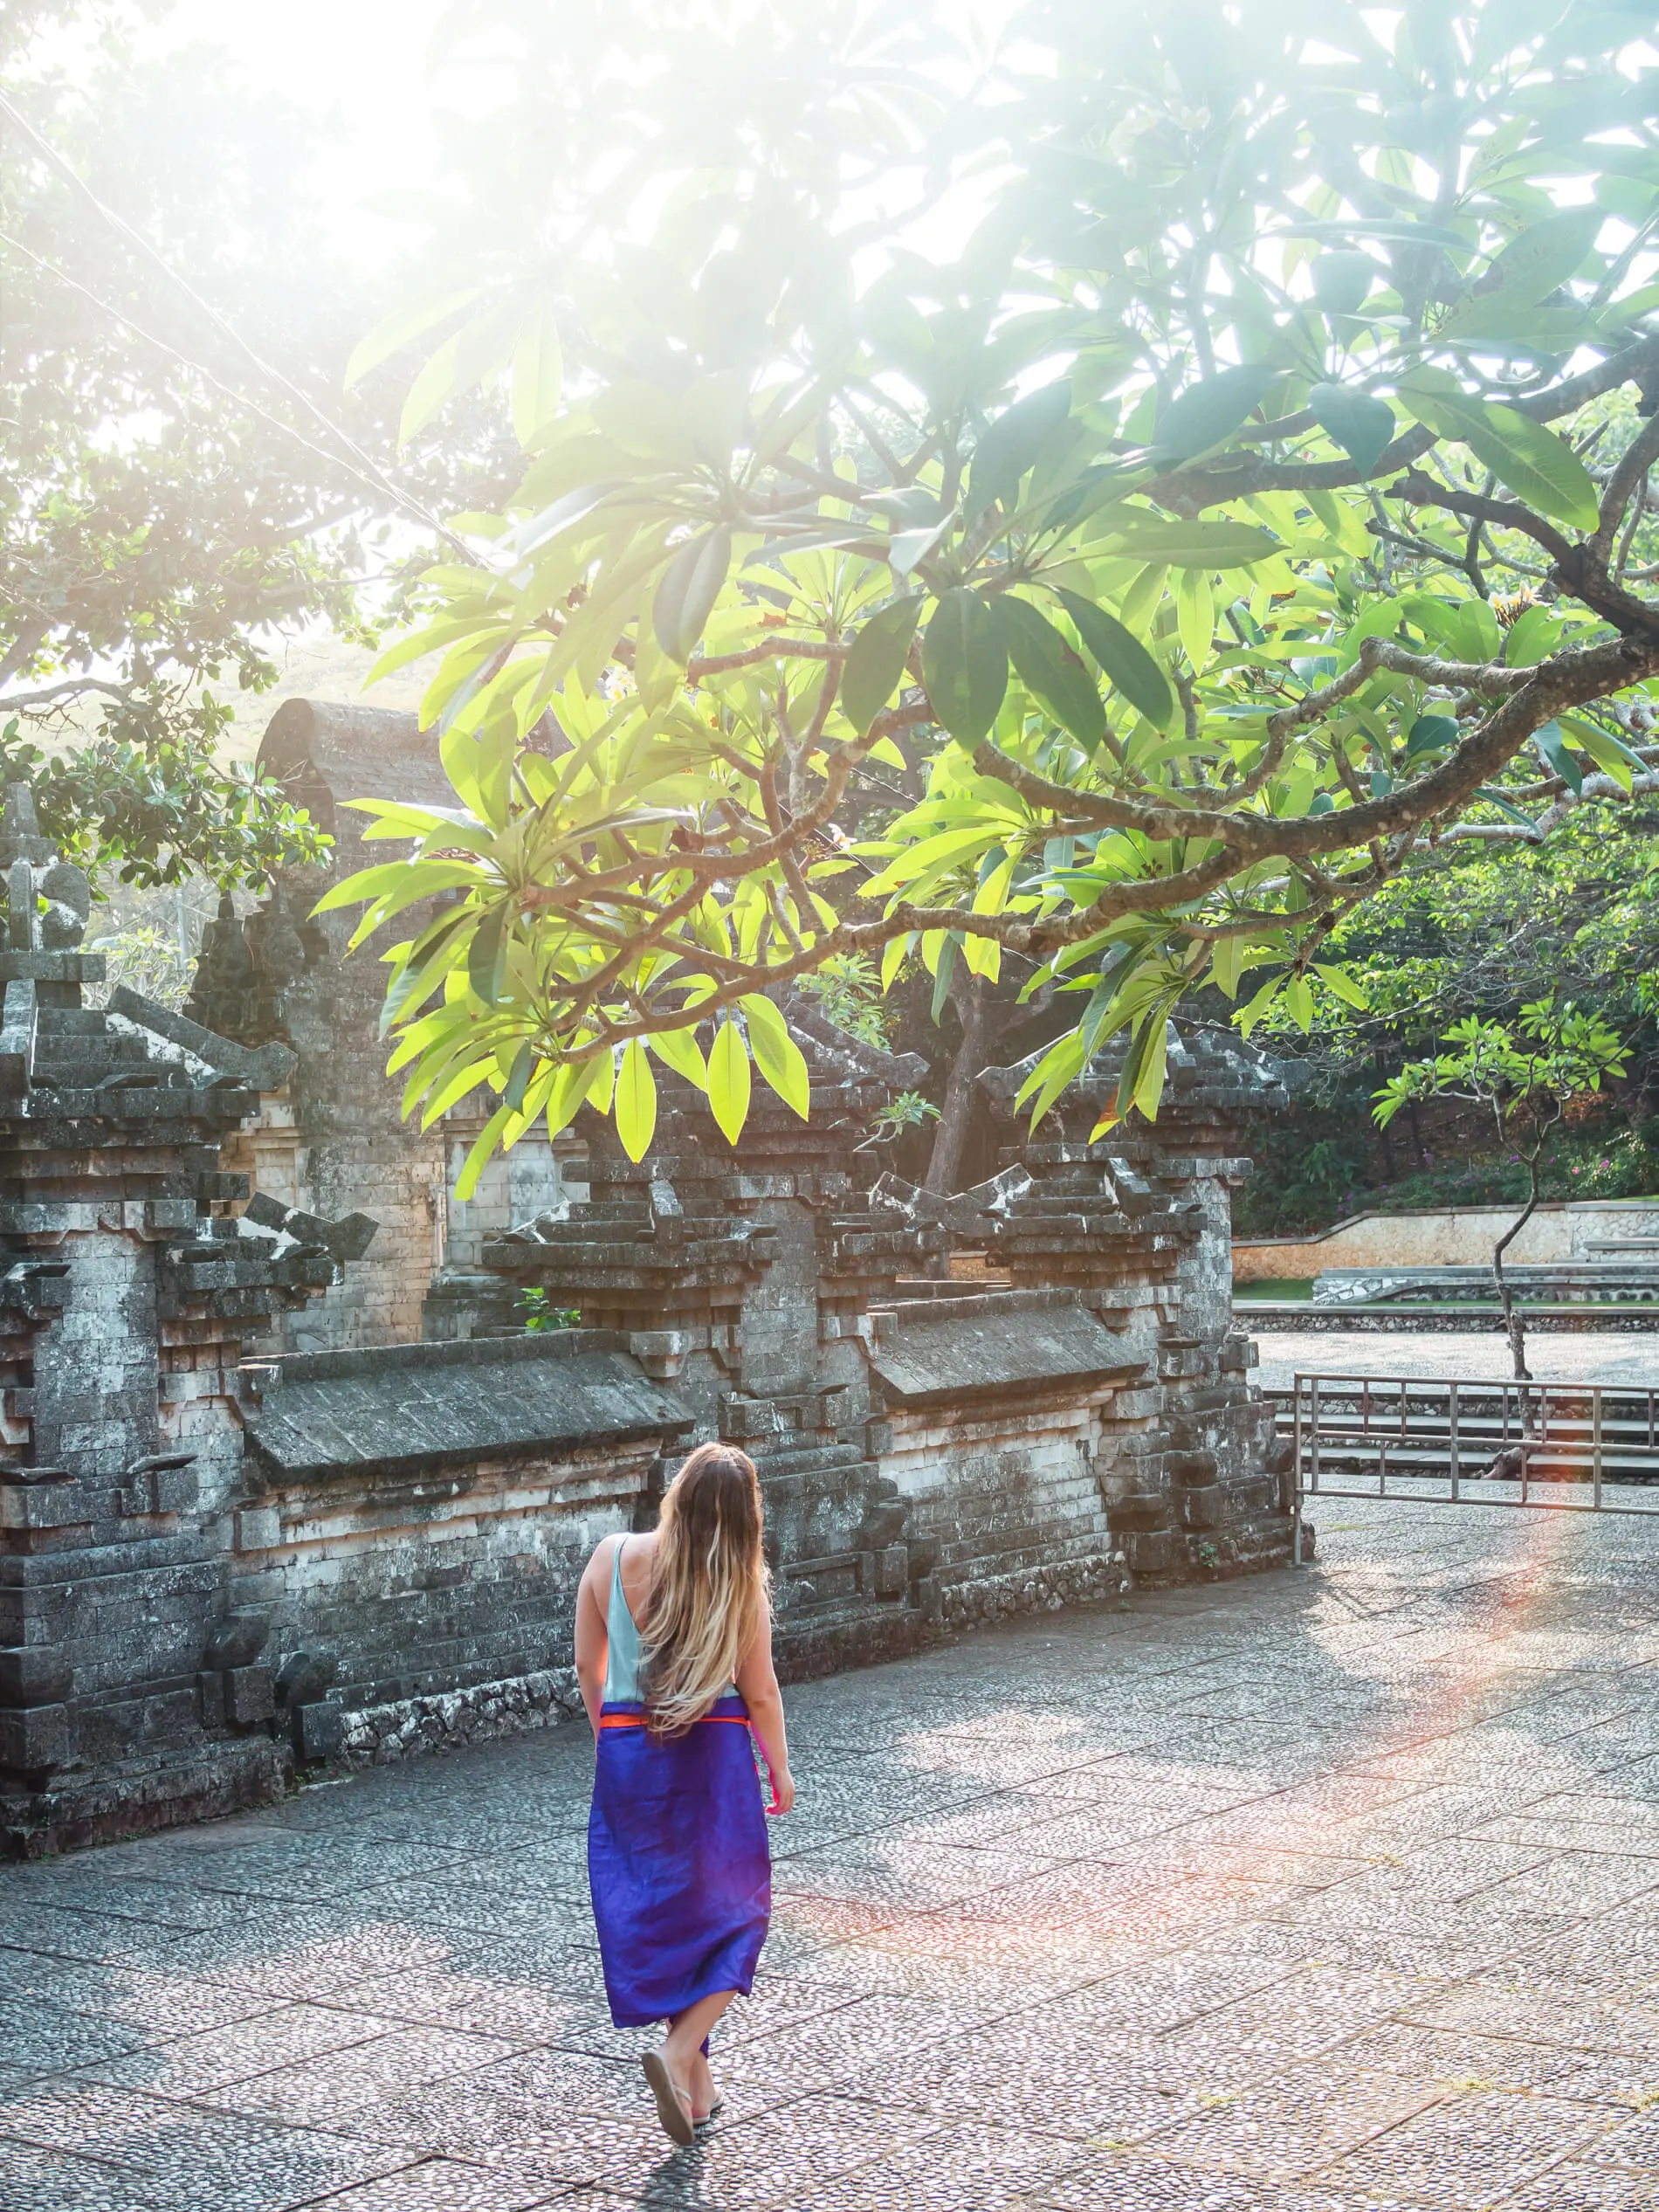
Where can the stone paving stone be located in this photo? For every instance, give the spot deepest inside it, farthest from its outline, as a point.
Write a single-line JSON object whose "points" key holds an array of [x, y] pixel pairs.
{"points": [[41, 2038], [1572, 2186], [1024, 2076], [289, 1956], [1473, 2148], [1447, 2058], [38, 2180], [484, 1996], [1321, 1893], [442, 2185], [1287, 2126], [188, 2158], [1573, 1883], [328, 2092], [199, 2066], [1132, 2184]]}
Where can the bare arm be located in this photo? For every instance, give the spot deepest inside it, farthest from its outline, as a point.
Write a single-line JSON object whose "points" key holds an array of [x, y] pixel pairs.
{"points": [[757, 1683], [592, 1642]]}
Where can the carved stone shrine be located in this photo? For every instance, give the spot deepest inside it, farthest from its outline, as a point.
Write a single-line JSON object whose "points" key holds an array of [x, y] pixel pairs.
{"points": [[286, 1481]]}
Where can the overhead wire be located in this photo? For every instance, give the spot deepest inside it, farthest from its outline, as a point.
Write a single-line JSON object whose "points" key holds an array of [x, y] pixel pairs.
{"points": [[349, 454]]}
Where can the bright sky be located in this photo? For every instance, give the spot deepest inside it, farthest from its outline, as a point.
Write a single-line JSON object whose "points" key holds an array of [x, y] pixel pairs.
{"points": [[361, 64]]}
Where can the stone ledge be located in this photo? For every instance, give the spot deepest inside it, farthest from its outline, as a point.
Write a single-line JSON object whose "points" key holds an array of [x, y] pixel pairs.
{"points": [[410, 1727], [1036, 1589]]}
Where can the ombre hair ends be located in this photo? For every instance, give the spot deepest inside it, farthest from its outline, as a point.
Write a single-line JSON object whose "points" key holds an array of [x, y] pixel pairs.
{"points": [[708, 1586]]}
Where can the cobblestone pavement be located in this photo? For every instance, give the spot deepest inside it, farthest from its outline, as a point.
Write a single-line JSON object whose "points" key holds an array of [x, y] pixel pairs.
{"points": [[1476, 1356], [1315, 1893]]}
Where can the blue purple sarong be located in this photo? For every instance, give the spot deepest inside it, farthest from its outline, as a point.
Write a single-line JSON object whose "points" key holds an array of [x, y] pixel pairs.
{"points": [[678, 1862]]}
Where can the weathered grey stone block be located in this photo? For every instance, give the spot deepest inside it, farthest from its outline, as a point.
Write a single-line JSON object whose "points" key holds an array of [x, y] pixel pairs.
{"points": [[258, 1529], [35, 1674], [249, 1695], [35, 1738]]}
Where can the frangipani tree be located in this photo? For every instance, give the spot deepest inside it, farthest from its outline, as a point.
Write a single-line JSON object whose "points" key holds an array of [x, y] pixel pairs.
{"points": [[1526, 1077], [1251, 504]]}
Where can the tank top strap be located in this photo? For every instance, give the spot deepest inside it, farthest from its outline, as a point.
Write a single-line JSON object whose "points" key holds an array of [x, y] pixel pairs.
{"points": [[622, 1640]]}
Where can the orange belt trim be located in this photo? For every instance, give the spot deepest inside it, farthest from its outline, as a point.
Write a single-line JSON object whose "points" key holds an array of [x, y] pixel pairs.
{"points": [[632, 1720]]}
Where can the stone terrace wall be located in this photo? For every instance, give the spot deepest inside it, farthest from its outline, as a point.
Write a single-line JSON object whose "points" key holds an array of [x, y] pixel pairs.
{"points": [[423, 1514]]}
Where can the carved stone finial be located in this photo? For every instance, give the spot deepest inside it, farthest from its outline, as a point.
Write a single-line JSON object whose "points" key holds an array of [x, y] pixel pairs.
{"points": [[20, 838]]}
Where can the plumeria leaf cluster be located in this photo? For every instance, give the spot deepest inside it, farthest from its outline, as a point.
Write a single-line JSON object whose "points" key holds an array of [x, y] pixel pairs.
{"points": [[1106, 610]]}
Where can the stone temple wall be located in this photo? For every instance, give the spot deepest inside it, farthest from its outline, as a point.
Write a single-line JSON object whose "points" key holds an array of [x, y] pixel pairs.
{"points": [[243, 1530], [332, 1127]]}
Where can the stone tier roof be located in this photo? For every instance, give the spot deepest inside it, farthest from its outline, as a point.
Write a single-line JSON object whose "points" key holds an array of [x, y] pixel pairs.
{"points": [[134, 1101], [413, 1405], [946, 1351]]}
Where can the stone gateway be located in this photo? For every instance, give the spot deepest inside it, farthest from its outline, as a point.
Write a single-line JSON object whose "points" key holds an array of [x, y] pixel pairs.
{"points": [[284, 1479]]}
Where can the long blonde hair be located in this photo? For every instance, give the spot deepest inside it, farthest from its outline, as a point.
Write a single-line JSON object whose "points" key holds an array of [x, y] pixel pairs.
{"points": [[707, 1588]]}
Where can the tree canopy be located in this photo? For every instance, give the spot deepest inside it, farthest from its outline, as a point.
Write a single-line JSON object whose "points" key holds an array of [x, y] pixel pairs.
{"points": [[175, 331], [1107, 500]]}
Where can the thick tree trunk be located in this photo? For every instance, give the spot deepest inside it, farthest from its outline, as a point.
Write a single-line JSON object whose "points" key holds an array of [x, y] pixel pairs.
{"points": [[980, 1030]]}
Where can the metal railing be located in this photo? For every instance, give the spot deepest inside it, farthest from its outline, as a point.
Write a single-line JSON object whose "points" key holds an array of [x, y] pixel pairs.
{"points": [[1563, 1447]]}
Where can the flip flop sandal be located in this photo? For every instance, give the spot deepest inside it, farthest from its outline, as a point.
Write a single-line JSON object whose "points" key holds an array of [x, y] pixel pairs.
{"points": [[671, 2109], [713, 2113]]}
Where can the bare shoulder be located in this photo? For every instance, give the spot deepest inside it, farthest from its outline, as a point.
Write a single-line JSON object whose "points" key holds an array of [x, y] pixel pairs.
{"points": [[600, 1559]]}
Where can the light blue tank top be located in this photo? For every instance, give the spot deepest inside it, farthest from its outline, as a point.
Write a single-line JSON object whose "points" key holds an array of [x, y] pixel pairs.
{"points": [[622, 1640], [622, 1643]]}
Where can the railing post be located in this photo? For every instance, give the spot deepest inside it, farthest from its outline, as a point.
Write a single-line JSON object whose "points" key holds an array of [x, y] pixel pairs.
{"points": [[1296, 1470], [1543, 1437], [1313, 1434], [1595, 1449], [1451, 1426]]}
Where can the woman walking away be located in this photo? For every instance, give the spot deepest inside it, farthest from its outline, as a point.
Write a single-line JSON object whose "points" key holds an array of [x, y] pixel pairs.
{"points": [[674, 1656]]}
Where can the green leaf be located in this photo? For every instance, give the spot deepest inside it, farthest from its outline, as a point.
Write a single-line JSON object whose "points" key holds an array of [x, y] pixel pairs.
{"points": [[1504, 806], [1532, 638], [1123, 659], [1609, 753], [1340, 980], [1532, 461], [1248, 1015], [1186, 545], [1148, 1087], [571, 1087], [1395, 228], [1206, 413], [776, 1054], [1551, 749], [524, 1062], [1196, 616], [405, 324], [1430, 733], [1227, 964], [728, 1081], [1363, 427], [679, 1049], [537, 374], [876, 664], [1062, 1062], [1011, 444], [964, 665], [1049, 667], [1342, 281], [635, 1101], [1524, 274], [690, 586], [942, 974], [486, 959], [1539, 467], [467, 1182]]}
